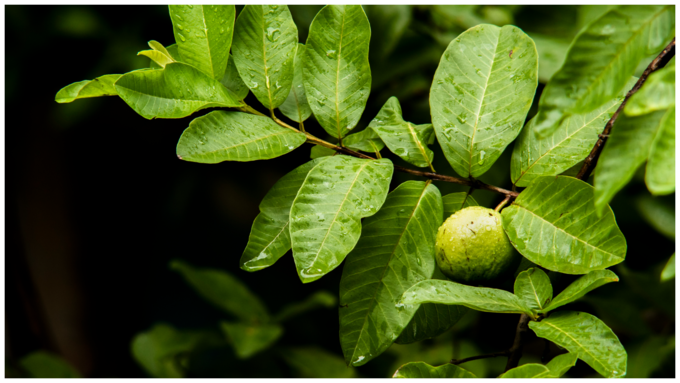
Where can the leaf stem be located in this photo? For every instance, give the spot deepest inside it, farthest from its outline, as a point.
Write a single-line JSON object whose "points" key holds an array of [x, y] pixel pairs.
{"points": [[503, 202]]}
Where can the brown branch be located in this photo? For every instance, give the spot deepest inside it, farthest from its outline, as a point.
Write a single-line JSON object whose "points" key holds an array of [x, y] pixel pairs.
{"points": [[517, 346], [591, 161], [492, 355]]}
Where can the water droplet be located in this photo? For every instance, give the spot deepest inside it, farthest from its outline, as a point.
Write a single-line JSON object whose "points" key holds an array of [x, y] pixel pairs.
{"points": [[330, 53], [181, 28], [277, 85], [255, 85], [181, 37], [273, 34], [481, 157], [179, 17], [321, 103], [190, 6]]}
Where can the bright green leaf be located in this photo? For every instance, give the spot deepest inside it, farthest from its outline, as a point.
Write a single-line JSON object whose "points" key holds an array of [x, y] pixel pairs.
{"points": [[336, 73], [296, 106], [155, 45], [560, 364], [668, 271], [265, 40], [456, 201], [315, 362], [526, 371], [43, 364], [657, 93], [203, 34], [321, 151], [100, 86], [247, 339], [588, 338], [660, 171], [159, 56], [325, 222], [581, 287], [174, 92], [420, 370], [481, 94], [553, 224], [395, 251], [320, 299], [407, 140], [366, 141], [533, 287], [172, 51], [235, 136], [232, 80]]}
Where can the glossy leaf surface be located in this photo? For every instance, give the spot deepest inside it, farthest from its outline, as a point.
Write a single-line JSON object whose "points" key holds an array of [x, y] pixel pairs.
{"points": [[526, 371], [335, 72], [395, 251], [315, 362], [588, 338], [295, 105], [203, 34], [533, 287], [100, 86], [232, 80], [366, 141], [553, 224], [235, 136], [174, 92], [421, 370], [668, 271], [456, 201], [481, 94], [660, 172], [325, 219], [248, 339], [265, 40], [581, 287], [657, 93]]}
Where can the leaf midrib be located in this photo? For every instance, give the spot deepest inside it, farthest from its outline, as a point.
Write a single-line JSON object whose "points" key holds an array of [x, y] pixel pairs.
{"points": [[577, 342], [417, 141], [337, 76]]}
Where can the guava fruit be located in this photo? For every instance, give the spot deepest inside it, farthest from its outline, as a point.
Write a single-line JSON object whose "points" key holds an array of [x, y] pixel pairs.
{"points": [[472, 247]]}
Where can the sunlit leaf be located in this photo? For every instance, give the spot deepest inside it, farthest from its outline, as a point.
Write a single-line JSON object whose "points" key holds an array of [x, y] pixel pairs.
{"points": [[588, 338], [100, 86], [481, 93], [668, 271], [533, 287], [336, 73], [526, 371], [456, 201], [660, 171], [249, 339], [395, 251], [315, 362], [366, 141], [296, 106], [232, 80], [43, 364], [319, 299], [235, 136], [553, 224], [420, 370], [265, 40], [325, 219], [581, 287]]}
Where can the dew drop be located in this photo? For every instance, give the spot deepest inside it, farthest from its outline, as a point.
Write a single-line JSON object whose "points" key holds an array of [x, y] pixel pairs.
{"points": [[330, 53]]}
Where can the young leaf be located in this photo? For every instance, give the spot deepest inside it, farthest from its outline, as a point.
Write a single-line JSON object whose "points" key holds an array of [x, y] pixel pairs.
{"points": [[325, 219], [533, 287], [42, 365], [174, 92], [248, 339], [235, 136], [224, 291], [452, 293], [100, 86], [526, 371], [265, 40], [407, 140], [232, 80], [660, 172], [319, 299], [601, 60], [321, 151], [296, 106], [160, 58], [457, 201], [172, 51], [588, 338], [658, 93], [270, 236], [581, 287], [669, 270], [335, 71], [559, 365], [203, 34], [366, 141], [315, 362], [420, 370], [481, 94], [553, 224], [627, 148], [395, 251]]}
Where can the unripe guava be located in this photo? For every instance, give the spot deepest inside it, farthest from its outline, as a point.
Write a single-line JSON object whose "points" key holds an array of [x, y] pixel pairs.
{"points": [[472, 247]]}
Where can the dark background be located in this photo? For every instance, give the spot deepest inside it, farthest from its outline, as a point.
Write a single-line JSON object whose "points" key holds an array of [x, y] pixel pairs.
{"points": [[97, 204]]}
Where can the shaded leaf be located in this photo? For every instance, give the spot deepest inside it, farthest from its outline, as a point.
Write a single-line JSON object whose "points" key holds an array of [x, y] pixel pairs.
{"points": [[420, 370], [481, 93], [296, 106], [581, 287], [235, 136], [326, 215], [407, 140], [247, 339], [388, 24], [320, 299], [644, 359], [668, 271], [657, 214], [100, 86], [553, 224], [320, 151], [336, 73], [174, 92], [232, 80], [657, 93], [265, 41], [457, 201], [660, 171], [551, 54], [366, 141], [526, 371], [43, 364], [533, 287], [588, 338], [203, 34], [395, 251], [315, 362]]}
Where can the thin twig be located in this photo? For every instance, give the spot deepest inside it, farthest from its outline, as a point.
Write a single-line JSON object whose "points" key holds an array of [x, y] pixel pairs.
{"points": [[591, 161], [492, 355], [503, 202], [518, 344]]}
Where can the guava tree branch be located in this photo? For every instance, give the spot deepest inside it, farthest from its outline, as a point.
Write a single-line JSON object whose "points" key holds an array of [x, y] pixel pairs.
{"points": [[517, 346], [591, 160]]}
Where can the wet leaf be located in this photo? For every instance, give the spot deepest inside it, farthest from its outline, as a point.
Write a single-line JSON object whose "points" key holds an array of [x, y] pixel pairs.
{"points": [[249, 339], [581, 287], [366, 141], [296, 106], [232, 80], [533, 287], [657, 93], [420, 370], [456, 201], [100, 86]]}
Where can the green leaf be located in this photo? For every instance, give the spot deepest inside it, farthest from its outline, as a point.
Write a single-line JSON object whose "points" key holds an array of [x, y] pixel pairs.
{"points": [[551, 54], [174, 92], [315, 362], [203, 34], [669, 270], [627, 148], [481, 94], [248, 339], [388, 24], [157, 54], [407, 140], [264, 47], [296, 106], [232, 80], [553, 224], [395, 251], [235, 136], [452, 293], [588, 338], [100, 86], [659, 215], [335, 70], [560, 364], [660, 172], [172, 51], [366, 141], [644, 359], [320, 299], [581, 287], [420, 370], [43, 364], [224, 291], [527, 371], [533, 287], [155, 45], [657, 93], [270, 236], [457, 201], [325, 222], [601, 60], [321, 151]]}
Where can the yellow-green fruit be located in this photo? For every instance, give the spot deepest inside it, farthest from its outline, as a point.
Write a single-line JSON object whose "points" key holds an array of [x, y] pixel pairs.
{"points": [[472, 247]]}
